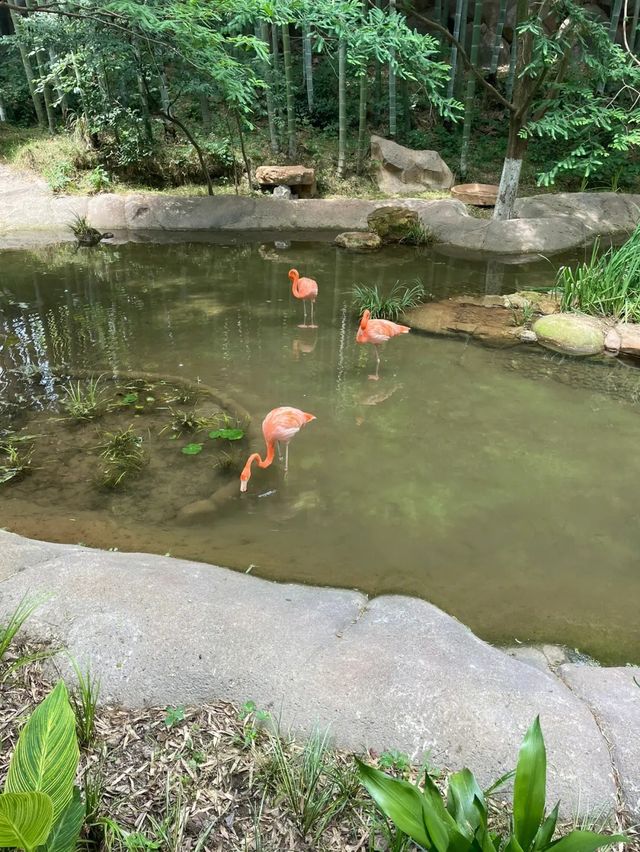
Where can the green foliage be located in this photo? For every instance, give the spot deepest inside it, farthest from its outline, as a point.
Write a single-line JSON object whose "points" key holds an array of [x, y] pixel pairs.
{"points": [[85, 704], [253, 720], [391, 306], [192, 449], [227, 434], [17, 619], [608, 284], [174, 716], [460, 823], [123, 456], [82, 400], [40, 804], [15, 456], [315, 788], [25, 819]]}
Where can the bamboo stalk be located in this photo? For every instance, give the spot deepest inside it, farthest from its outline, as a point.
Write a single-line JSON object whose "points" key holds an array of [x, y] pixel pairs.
{"points": [[28, 73], [471, 88], [495, 56], [393, 108], [342, 107], [262, 31], [308, 66], [454, 50], [288, 83]]}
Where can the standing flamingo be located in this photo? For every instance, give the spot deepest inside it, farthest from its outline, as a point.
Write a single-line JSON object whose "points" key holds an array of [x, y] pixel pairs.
{"points": [[280, 425], [305, 289], [377, 331]]}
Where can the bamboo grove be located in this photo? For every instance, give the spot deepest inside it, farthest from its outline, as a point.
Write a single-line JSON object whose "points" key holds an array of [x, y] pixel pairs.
{"points": [[127, 74]]}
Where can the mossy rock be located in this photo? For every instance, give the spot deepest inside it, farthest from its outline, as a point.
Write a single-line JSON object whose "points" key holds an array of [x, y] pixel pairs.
{"points": [[359, 240], [571, 334], [393, 224]]}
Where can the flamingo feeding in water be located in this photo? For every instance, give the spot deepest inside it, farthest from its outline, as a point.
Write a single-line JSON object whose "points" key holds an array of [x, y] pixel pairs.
{"points": [[279, 426], [305, 289], [377, 331]]}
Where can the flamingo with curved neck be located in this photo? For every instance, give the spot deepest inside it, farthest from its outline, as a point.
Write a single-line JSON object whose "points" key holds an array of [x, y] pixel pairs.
{"points": [[376, 332], [279, 426], [305, 289]]}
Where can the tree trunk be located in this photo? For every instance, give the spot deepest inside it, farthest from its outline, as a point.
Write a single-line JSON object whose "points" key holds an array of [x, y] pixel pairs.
{"points": [[205, 111], [288, 83], [377, 90], [3, 111], [393, 108], [262, 32], [308, 66], [463, 41], [495, 56], [454, 49], [633, 35], [615, 19], [362, 120], [342, 107], [28, 72], [406, 108], [510, 178], [41, 62], [168, 116], [513, 56], [471, 87]]}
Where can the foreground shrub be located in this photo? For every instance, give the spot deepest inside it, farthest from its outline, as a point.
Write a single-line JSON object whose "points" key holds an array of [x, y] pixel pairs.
{"points": [[460, 824]]}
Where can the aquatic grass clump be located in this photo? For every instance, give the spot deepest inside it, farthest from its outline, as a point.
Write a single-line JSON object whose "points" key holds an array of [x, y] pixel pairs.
{"points": [[15, 457], [608, 284], [123, 456], [83, 400], [416, 234], [396, 302]]}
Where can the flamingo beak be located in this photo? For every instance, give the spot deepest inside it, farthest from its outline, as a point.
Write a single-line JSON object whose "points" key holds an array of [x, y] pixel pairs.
{"points": [[310, 417], [243, 486]]}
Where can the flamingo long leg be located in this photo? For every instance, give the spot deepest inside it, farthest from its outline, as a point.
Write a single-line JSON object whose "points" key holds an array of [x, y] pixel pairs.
{"points": [[304, 305], [312, 305], [286, 458]]}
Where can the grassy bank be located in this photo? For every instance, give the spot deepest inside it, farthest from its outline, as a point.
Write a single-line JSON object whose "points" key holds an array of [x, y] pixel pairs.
{"points": [[70, 165]]}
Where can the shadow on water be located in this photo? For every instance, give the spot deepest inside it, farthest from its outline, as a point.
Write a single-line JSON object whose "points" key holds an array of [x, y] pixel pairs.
{"points": [[498, 484]]}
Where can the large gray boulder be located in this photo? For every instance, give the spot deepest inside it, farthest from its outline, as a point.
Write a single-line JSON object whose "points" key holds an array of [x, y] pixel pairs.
{"points": [[404, 171], [606, 213]]}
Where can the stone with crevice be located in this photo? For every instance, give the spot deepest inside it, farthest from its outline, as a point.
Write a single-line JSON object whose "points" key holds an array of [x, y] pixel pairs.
{"points": [[358, 240], [388, 672], [406, 171], [613, 696]]}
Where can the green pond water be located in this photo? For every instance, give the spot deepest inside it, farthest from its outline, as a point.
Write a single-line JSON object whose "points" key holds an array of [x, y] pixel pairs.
{"points": [[501, 485]]}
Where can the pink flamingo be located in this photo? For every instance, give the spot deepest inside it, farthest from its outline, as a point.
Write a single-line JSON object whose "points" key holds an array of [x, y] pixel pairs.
{"points": [[280, 425], [377, 331], [305, 289]]}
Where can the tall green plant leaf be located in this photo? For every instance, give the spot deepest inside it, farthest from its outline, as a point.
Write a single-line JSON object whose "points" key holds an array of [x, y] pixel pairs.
{"points": [[64, 834], [46, 756], [586, 841], [25, 819], [445, 834], [529, 788], [398, 800], [544, 835], [465, 800]]}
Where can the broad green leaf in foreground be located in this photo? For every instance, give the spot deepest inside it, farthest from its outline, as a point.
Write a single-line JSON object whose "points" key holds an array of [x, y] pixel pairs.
{"points": [[227, 434], [46, 756], [64, 834], [586, 841], [25, 819], [529, 789], [399, 800]]}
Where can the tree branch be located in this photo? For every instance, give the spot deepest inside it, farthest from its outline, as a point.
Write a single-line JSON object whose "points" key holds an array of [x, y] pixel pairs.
{"points": [[465, 59]]}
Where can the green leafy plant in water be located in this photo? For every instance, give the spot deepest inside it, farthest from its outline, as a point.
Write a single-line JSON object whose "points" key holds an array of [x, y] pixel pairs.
{"points": [[399, 299], [608, 284], [523, 315], [417, 235], [192, 449], [83, 400], [460, 823], [123, 456], [40, 808], [227, 434], [15, 456]]}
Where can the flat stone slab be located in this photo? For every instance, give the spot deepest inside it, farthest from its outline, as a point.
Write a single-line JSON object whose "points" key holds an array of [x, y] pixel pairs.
{"points": [[614, 698], [392, 672]]}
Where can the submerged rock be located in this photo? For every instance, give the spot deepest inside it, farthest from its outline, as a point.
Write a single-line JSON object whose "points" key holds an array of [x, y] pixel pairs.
{"points": [[571, 334], [404, 170], [359, 240]]}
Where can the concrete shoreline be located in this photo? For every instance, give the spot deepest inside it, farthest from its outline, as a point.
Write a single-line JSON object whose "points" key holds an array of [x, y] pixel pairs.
{"points": [[30, 213]]}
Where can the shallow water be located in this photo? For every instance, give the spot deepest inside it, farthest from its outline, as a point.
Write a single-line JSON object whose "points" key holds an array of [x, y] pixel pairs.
{"points": [[466, 475]]}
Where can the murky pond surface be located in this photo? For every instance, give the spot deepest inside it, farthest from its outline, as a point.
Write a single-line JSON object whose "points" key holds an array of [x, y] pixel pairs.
{"points": [[499, 484]]}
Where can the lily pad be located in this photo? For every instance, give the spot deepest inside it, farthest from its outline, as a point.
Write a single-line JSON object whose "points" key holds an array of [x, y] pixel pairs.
{"points": [[130, 398], [192, 449], [227, 434]]}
